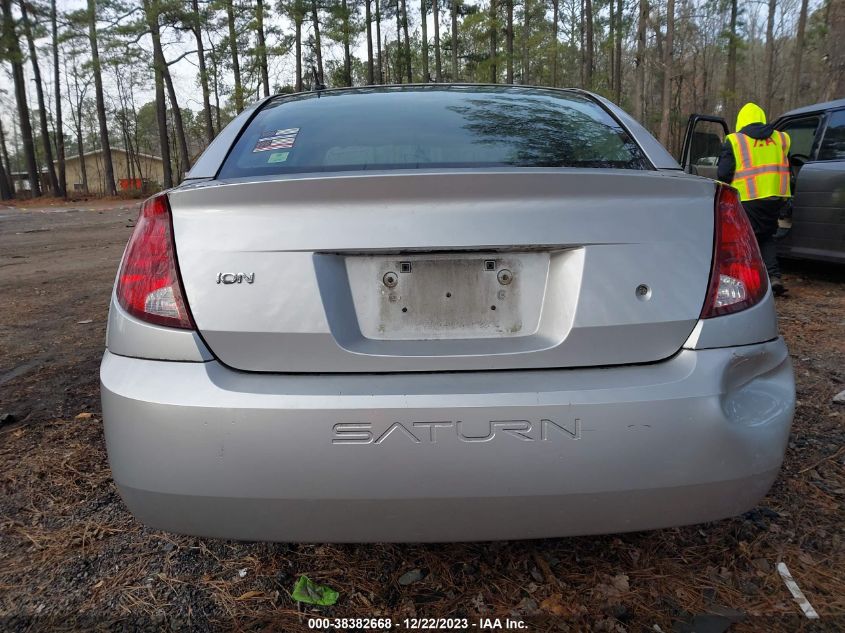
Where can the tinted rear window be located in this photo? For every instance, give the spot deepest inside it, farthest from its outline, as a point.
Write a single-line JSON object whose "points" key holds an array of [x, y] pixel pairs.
{"points": [[414, 128]]}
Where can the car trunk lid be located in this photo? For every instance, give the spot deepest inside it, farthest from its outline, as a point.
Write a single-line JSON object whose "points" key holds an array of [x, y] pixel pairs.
{"points": [[445, 270]]}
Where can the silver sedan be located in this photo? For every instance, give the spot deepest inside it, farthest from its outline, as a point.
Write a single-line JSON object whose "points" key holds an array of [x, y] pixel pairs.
{"points": [[440, 313]]}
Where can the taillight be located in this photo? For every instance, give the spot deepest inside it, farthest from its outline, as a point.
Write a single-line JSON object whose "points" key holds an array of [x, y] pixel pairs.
{"points": [[148, 286], [738, 279]]}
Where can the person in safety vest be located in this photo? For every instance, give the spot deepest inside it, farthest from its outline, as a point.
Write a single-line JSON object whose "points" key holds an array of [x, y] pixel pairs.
{"points": [[755, 161]]}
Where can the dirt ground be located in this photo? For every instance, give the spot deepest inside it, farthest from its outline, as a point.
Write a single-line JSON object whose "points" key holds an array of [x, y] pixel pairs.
{"points": [[73, 558]]}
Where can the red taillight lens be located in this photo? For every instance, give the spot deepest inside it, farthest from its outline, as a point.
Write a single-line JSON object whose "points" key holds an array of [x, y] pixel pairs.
{"points": [[148, 286], [738, 279]]}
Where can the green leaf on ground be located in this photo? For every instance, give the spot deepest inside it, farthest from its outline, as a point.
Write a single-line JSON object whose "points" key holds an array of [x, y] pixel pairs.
{"points": [[307, 591]]}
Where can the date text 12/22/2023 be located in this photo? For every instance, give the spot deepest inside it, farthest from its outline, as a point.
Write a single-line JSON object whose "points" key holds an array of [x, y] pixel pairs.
{"points": [[417, 624]]}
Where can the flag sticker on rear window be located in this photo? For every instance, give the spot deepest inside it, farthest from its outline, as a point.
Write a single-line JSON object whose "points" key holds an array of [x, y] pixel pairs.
{"points": [[276, 139]]}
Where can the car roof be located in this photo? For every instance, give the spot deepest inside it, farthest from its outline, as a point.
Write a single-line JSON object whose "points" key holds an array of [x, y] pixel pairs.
{"points": [[817, 107], [429, 87]]}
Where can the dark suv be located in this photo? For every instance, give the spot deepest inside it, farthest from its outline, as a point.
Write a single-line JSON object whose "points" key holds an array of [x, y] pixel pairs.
{"points": [[817, 157]]}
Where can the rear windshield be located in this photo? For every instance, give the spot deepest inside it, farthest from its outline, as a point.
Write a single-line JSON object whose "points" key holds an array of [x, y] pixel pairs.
{"points": [[427, 127]]}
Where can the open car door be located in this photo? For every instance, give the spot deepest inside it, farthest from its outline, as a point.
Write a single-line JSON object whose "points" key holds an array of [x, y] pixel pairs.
{"points": [[702, 144]]}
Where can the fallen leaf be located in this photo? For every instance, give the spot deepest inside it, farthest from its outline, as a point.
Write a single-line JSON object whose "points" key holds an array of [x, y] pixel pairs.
{"points": [[307, 591], [555, 605], [620, 582], [84, 416], [613, 592], [410, 577], [526, 606]]}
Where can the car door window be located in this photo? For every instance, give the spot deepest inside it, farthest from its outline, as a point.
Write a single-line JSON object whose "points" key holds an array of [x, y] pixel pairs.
{"points": [[706, 144], [833, 143], [703, 144], [802, 133]]}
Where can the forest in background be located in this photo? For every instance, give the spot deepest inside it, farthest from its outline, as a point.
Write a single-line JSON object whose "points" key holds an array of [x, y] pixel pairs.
{"points": [[106, 74]]}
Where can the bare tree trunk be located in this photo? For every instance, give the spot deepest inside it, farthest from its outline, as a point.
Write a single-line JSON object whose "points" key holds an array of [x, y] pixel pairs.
{"points": [[159, 66], [5, 191], [494, 40], [5, 156], [379, 42], [770, 57], [80, 151], [526, 32], [667, 73], [438, 68], [13, 54], [730, 74], [400, 49], [262, 46], [454, 6], [171, 139], [196, 27], [835, 49], [408, 69], [588, 44], [178, 125], [151, 8], [76, 117], [611, 52], [297, 23], [7, 187], [108, 167], [163, 136], [368, 18], [345, 36], [233, 49], [215, 83], [581, 48], [555, 20], [424, 26], [509, 40], [42, 110], [318, 47], [639, 79], [387, 75], [57, 88], [126, 157], [799, 50], [617, 74]]}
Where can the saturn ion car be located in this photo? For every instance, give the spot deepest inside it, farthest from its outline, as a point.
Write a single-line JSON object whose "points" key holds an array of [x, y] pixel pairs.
{"points": [[441, 313]]}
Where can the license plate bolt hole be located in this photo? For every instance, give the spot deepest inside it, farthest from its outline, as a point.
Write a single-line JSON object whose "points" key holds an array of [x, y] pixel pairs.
{"points": [[390, 279], [643, 292]]}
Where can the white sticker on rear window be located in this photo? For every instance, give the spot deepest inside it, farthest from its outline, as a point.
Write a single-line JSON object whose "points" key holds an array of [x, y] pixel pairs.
{"points": [[276, 139]]}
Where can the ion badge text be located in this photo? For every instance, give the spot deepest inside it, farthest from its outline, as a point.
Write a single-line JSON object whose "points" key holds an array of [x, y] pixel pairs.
{"points": [[235, 278]]}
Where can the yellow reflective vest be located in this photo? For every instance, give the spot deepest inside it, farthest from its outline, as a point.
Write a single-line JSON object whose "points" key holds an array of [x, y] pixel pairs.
{"points": [[762, 166]]}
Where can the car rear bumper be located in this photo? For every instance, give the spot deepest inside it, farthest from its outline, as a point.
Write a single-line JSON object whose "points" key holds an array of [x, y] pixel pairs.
{"points": [[201, 449]]}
